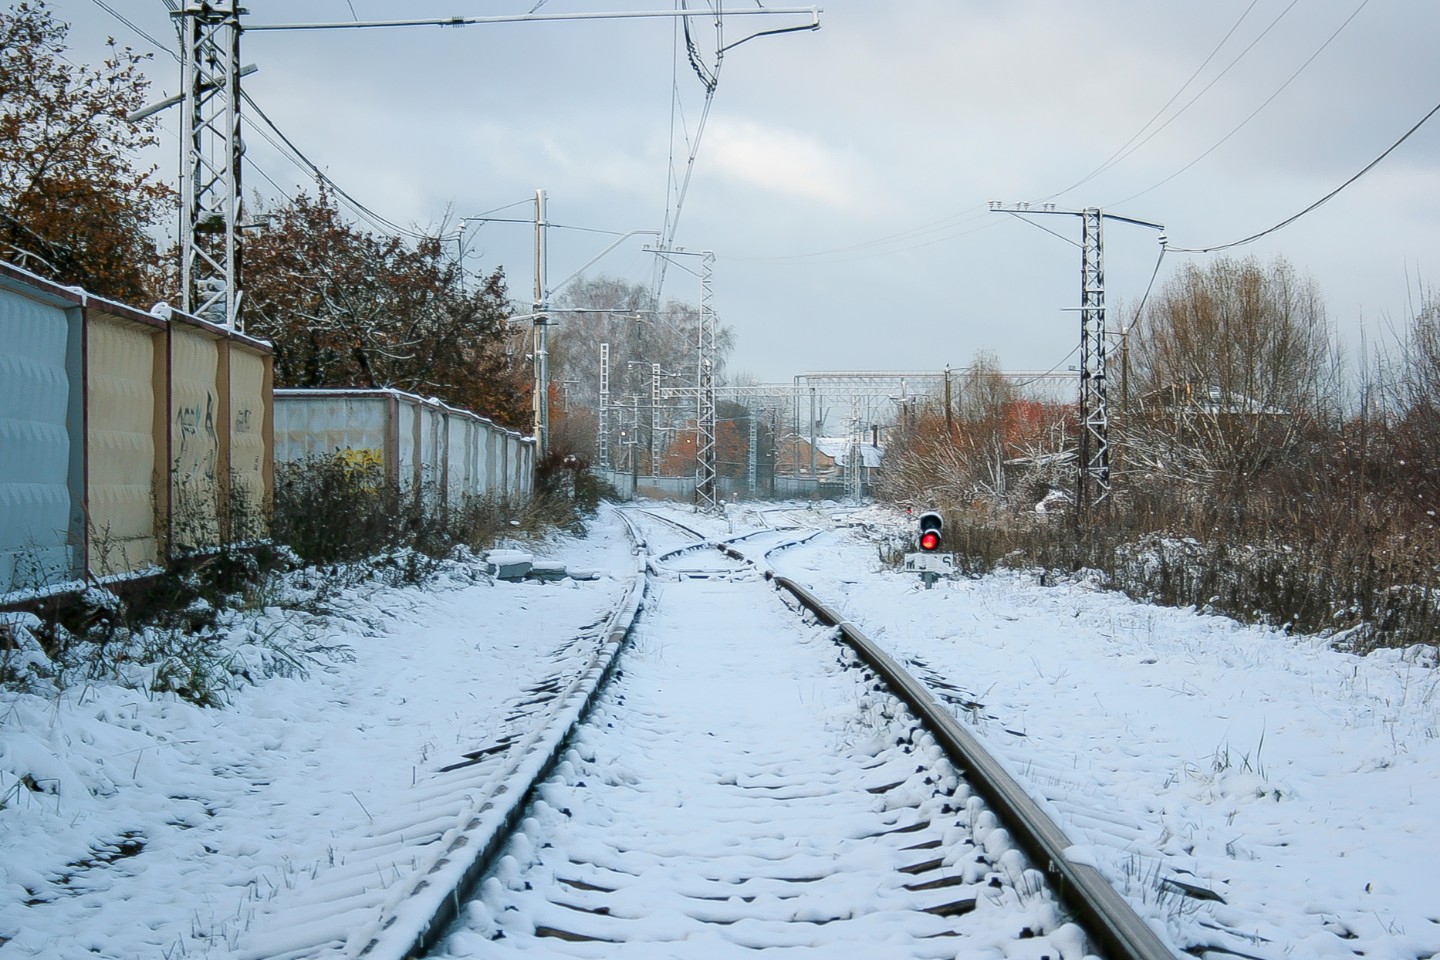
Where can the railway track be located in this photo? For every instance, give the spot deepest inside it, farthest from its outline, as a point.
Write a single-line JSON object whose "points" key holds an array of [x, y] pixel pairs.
{"points": [[751, 780], [703, 772]]}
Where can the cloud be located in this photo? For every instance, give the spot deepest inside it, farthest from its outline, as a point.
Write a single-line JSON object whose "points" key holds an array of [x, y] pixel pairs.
{"points": [[788, 164]]}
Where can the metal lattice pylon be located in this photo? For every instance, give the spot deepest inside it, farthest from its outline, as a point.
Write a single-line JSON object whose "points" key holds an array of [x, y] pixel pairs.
{"points": [[604, 435], [1094, 472], [854, 456], [752, 454], [654, 417], [1094, 480], [705, 497], [210, 180]]}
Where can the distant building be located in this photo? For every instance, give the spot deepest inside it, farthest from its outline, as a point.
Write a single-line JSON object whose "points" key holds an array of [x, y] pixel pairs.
{"points": [[831, 454]]}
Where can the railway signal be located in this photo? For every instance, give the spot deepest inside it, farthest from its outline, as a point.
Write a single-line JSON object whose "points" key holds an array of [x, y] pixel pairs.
{"points": [[931, 524], [930, 561]]}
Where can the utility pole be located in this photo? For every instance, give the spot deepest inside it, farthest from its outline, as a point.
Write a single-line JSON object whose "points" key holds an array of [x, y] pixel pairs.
{"points": [[1094, 402], [814, 438], [634, 441], [1093, 482], [603, 438], [565, 385], [854, 455], [753, 455], [210, 163], [654, 412], [949, 411], [541, 389], [211, 146]]}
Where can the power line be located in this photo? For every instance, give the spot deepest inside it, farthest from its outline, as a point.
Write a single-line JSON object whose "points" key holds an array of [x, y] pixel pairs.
{"points": [[1126, 150], [708, 78], [371, 216], [1053, 233], [284, 145], [118, 16], [1289, 220], [944, 226], [1041, 376], [939, 231], [677, 192], [1254, 113], [968, 215], [962, 218], [1135, 319]]}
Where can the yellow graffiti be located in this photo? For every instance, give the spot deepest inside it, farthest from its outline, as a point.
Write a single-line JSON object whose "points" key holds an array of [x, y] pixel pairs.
{"points": [[362, 460], [364, 468]]}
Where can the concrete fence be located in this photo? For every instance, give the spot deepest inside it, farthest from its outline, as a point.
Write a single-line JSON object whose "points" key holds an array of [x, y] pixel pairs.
{"points": [[126, 438], [130, 438], [419, 444]]}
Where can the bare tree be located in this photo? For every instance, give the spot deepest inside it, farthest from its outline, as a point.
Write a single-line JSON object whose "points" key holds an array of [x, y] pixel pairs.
{"points": [[1234, 368], [1415, 429], [641, 334], [967, 454], [982, 408]]}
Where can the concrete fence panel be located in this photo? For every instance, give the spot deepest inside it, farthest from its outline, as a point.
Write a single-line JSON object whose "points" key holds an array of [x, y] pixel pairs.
{"points": [[125, 440], [252, 442], [123, 436], [41, 420], [196, 419], [441, 451]]}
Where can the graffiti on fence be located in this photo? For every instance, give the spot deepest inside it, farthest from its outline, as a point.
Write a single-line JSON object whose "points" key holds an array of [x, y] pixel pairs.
{"points": [[197, 444]]}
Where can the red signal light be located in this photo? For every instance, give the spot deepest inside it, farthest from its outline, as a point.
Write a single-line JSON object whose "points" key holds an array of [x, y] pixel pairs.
{"points": [[930, 526]]}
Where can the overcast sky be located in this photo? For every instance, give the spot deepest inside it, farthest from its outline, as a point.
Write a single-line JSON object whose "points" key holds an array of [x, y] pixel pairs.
{"points": [[842, 176]]}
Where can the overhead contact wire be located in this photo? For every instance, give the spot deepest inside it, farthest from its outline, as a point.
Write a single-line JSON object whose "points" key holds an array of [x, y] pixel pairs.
{"points": [[1329, 196]]}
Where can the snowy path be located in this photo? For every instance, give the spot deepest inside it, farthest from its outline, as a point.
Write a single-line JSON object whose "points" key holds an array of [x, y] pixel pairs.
{"points": [[739, 789], [240, 819]]}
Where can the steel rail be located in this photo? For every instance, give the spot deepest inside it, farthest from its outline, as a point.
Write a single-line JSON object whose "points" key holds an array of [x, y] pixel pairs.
{"points": [[1106, 916], [539, 760], [1112, 924]]}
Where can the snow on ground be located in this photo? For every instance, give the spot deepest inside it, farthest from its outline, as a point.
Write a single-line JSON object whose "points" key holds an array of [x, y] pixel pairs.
{"points": [[724, 773], [1300, 785], [236, 808]]}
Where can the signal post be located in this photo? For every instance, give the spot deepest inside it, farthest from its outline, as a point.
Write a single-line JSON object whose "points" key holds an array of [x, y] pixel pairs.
{"points": [[929, 559]]}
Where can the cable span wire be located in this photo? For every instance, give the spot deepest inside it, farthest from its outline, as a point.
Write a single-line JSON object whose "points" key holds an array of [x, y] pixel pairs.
{"points": [[1267, 101], [261, 170], [657, 281], [1289, 220], [960, 218], [1053, 233], [1135, 320], [942, 230], [374, 218], [1038, 377], [118, 16], [1125, 148], [294, 153], [711, 80]]}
